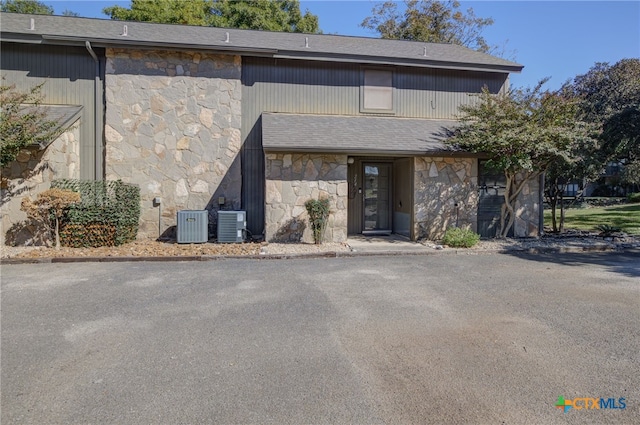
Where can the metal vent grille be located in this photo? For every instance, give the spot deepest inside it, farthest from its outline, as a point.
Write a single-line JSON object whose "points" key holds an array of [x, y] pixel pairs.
{"points": [[193, 226], [231, 226]]}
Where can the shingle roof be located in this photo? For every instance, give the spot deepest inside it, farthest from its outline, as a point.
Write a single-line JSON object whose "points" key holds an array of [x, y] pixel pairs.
{"points": [[103, 32], [354, 134]]}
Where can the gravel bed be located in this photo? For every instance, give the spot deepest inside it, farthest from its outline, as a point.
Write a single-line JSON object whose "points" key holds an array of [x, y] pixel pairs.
{"points": [[152, 248]]}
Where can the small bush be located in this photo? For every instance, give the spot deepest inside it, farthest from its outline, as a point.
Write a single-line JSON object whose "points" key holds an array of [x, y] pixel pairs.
{"points": [[107, 215], [460, 238], [633, 197], [318, 210], [607, 229], [50, 206]]}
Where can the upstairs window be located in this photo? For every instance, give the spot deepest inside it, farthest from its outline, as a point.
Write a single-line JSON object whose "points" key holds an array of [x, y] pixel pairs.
{"points": [[377, 91]]}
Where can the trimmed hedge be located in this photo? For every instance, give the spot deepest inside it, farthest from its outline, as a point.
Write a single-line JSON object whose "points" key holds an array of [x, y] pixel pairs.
{"points": [[107, 215]]}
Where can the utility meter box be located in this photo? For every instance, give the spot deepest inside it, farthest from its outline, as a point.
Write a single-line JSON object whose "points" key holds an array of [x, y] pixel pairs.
{"points": [[232, 226], [193, 226]]}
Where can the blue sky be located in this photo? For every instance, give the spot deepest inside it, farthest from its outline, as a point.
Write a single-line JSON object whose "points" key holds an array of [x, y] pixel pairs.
{"points": [[557, 39]]}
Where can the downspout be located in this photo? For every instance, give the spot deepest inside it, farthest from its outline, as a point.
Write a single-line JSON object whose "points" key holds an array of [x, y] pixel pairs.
{"points": [[96, 117], [541, 206]]}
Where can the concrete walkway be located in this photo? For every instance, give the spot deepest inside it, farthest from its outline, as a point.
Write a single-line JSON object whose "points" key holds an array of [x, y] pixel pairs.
{"points": [[391, 243]]}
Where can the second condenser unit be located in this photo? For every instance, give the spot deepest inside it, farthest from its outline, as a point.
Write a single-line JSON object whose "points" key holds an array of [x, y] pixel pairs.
{"points": [[232, 226]]}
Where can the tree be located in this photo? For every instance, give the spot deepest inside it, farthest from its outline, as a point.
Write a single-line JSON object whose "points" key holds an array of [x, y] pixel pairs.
{"points": [[522, 132], [430, 21], [582, 164], [33, 7], [23, 121], [51, 202], [68, 12], [631, 174], [269, 15], [610, 95]]}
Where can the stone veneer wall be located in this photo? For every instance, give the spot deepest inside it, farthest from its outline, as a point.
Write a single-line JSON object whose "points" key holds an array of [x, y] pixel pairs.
{"points": [[292, 179], [439, 184], [30, 174], [173, 127]]}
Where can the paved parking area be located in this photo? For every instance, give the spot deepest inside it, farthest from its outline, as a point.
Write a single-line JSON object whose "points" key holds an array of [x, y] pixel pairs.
{"points": [[477, 339]]}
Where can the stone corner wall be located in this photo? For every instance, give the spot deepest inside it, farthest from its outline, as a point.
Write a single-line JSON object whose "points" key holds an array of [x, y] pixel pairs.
{"points": [[440, 183], [30, 174], [526, 223], [292, 179], [172, 127]]}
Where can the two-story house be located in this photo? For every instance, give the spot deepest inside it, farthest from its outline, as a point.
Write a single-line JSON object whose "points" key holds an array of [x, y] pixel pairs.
{"points": [[211, 118]]}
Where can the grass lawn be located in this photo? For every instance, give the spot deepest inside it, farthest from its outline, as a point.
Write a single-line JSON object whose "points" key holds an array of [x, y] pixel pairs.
{"points": [[626, 217]]}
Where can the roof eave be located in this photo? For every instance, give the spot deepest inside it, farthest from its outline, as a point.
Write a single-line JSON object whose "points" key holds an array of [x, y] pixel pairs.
{"points": [[255, 51], [110, 42], [364, 152], [422, 63]]}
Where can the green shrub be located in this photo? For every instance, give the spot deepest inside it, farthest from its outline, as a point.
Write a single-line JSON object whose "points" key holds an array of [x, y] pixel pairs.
{"points": [[318, 210], [607, 229], [633, 197], [460, 238], [107, 215]]}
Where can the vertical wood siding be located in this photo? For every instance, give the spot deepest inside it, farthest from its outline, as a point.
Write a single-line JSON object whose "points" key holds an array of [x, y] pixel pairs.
{"points": [[314, 87], [68, 74]]}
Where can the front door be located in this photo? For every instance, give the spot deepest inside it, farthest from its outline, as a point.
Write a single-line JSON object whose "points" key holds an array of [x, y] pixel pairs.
{"points": [[377, 198]]}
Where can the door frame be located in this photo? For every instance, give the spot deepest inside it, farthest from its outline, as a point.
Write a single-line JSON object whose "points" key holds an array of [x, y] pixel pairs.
{"points": [[355, 183], [388, 230]]}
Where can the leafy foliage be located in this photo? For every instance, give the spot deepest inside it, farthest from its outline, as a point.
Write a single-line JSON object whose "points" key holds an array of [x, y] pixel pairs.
{"points": [[318, 210], [430, 21], [522, 132], [631, 173], [607, 229], [50, 203], [460, 238], [633, 198], [269, 15], [23, 121], [33, 7], [610, 95], [108, 214]]}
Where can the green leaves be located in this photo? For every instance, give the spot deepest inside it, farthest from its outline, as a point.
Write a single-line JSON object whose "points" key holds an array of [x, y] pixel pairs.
{"points": [[523, 130], [460, 238], [23, 122], [107, 215], [33, 7], [268, 15], [430, 21], [610, 96], [523, 133], [318, 210]]}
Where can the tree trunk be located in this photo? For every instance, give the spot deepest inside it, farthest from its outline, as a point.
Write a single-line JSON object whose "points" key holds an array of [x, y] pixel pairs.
{"points": [[561, 213], [504, 210], [511, 193], [552, 203]]}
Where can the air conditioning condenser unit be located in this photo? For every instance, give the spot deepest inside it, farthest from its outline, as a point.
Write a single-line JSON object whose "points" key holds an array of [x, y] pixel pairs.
{"points": [[193, 226], [232, 226]]}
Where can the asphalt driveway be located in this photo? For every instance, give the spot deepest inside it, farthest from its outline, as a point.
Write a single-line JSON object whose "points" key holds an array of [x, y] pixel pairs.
{"points": [[478, 339]]}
